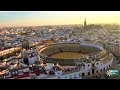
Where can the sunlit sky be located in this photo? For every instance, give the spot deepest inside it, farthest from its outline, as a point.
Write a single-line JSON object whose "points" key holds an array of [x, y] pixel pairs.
{"points": [[27, 18]]}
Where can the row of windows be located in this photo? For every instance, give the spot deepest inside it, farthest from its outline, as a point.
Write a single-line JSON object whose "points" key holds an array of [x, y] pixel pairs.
{"points": [[83, 74], [93, 71], [70, 76], [93, 65]]}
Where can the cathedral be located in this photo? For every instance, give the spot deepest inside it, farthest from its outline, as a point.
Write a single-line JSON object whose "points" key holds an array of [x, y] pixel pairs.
{"points": [[85, 24]]}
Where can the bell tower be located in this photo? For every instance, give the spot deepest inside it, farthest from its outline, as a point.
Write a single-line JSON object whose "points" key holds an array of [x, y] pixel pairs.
{"points": [[85, 23]]}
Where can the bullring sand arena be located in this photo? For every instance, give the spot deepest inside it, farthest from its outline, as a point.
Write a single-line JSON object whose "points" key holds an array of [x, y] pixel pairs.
{"points": [[67, 55]]}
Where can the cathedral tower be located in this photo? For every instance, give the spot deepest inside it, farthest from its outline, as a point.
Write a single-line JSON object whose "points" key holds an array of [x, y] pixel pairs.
{"points": [[85, 23]]}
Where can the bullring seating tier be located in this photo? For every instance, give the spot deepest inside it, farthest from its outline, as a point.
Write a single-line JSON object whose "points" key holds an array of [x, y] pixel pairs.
{"points": [[52, 49], [71, 47]]}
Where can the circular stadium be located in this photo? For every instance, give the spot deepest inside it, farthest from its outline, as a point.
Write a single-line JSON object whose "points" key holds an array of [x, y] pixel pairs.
{"points": [[92, 59]]}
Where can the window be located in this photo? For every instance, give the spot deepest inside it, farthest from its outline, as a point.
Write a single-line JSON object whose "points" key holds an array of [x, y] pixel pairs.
{"points": [[58, 77], [96, 71], [97, 63], [93, 65], [65, 77], [109, 65], [75, 75], [93, 71], [83, 74], [70, 76], [88, 73], [40, 56], [101, 70], [88, 65]]}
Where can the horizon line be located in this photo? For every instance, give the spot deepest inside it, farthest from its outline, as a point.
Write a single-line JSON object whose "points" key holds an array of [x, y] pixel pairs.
{"points": [[59, 25]]}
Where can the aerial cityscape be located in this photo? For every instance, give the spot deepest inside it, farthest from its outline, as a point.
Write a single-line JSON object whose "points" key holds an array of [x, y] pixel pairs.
{"points": [[59, 45]]}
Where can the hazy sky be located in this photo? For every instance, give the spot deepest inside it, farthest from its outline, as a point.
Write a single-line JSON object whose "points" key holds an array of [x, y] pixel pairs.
{"points": [[25, 18]]}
